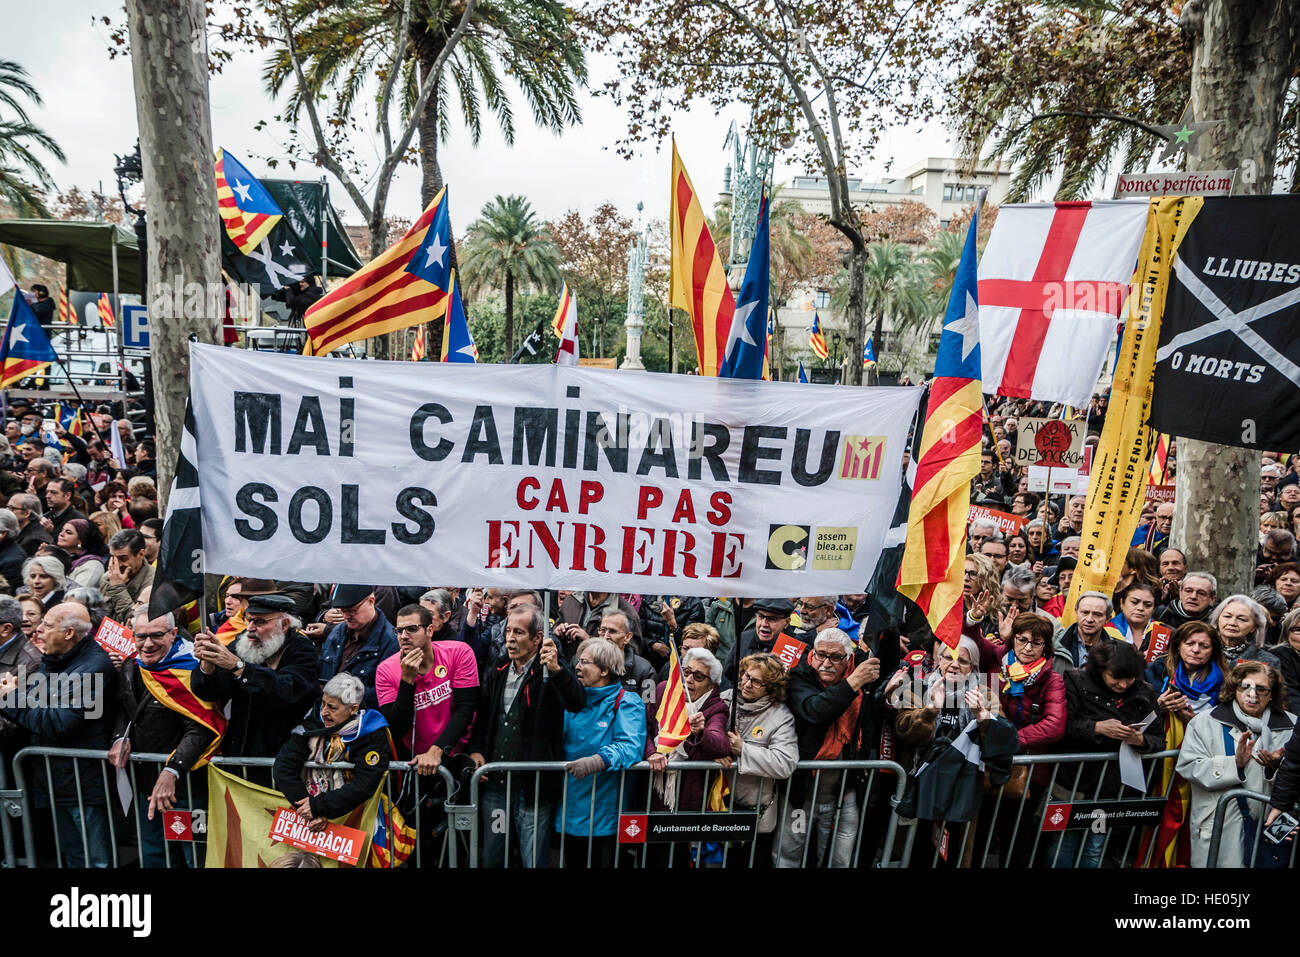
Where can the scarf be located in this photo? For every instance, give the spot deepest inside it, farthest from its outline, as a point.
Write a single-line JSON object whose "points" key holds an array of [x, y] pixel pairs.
{"points": [[1200, 694], [668, 783], [1236, 651], [330, 745], [840, 734], [1256, 726], [1017, 677]]}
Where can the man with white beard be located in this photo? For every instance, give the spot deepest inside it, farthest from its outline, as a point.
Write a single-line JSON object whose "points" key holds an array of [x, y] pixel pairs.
{"points": [[268, 674]]}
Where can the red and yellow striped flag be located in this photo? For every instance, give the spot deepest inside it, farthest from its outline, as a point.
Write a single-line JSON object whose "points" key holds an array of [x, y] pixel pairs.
{"points": [[562, 310], [66, 312], [697, 282], [406, 284], [1160, 461], [417, 347], [949, 457], [105, 310], [673, 718], [817, 340]]}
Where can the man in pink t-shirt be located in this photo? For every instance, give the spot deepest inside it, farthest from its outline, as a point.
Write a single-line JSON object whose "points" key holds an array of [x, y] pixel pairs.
{"points": [[427, 691]]}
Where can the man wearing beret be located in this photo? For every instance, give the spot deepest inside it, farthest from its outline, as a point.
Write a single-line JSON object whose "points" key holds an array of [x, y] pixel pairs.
{"points": [[771, 620], [267, 672], [360, 641]]}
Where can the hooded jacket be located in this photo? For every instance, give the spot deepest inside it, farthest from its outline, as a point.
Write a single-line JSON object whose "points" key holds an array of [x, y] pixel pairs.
{"points": [[611, 724]]}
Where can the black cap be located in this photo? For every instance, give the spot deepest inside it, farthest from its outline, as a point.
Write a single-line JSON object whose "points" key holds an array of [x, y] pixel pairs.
{"points": [[345, 596], [774, 606], [269, 604]]}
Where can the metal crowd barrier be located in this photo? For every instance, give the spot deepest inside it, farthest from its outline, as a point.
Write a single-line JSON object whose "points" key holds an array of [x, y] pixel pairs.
{"points": [[20, 802], [847, 826], [1227, 800], [973, 841]]}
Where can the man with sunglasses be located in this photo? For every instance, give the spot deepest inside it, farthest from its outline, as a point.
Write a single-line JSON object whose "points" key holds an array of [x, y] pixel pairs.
{"points": [[268, 674], [359, 642]]}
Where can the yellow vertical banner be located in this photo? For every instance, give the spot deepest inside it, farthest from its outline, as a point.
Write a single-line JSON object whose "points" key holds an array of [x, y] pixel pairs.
{"points": [[1121, 462]]}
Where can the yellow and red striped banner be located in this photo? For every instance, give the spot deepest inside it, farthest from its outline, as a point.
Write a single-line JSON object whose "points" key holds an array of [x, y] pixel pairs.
{"points": [[66, 312], [172, 689], [697, 281], [105, 306], [673, 718]]}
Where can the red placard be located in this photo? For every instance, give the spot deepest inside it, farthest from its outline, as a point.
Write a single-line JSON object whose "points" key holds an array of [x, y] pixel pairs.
{"points": [[1007, 523], [115, 637], [336, 842], [1160, 493], [178, 825], [789, 650]]}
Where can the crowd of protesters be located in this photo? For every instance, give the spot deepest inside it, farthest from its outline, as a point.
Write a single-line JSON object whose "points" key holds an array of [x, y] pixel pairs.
{"points": [[459, 678]]}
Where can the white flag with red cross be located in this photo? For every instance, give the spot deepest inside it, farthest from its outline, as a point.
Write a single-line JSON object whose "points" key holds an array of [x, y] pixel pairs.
{"points": [[565, 325], [1053, 279]]}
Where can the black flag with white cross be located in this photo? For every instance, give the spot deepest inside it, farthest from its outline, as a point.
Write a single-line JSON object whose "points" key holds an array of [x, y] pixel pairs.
{"points": [[178, 579], [1228, 363], [279, 260]]}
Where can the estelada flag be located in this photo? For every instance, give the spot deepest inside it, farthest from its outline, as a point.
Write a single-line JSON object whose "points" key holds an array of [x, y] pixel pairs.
{"points": [[393, 840], [673, 719], [817, 340], [697, 282], [169, 682], [417, 347], [240, 815], [247, 210], [408, 283], [457, 342], [26, 350]]}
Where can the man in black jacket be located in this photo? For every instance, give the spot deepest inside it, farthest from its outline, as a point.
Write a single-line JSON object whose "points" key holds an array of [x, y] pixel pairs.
{"points": [[76, 715], [12, 556], [521, 718], [267, 673], [771, 620], [149, 724]]}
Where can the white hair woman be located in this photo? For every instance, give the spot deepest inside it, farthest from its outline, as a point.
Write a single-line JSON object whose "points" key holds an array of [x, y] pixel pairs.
{"points": [[45, 579], [1242, 624], [340, 730], [707, 739], [608, 734]]}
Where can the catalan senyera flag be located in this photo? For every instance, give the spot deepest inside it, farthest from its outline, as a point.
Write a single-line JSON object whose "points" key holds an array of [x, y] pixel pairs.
{"points": [[562, 310], [930, 573], [1169, 843], [247, 210], [26, 349], [240, 815], [1160, 460], [457, 343], [816, 339], [407, 283], [697, 282], [66, 312], [673, 718], [767, 345], [566, 316], [105, 307], [169, 682], [417, 347]]}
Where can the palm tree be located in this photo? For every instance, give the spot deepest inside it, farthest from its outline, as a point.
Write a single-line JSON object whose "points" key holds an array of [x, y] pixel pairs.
{"points": [[939, 261], [894, 287], [23, 177], [347, 44], [507, 244]]}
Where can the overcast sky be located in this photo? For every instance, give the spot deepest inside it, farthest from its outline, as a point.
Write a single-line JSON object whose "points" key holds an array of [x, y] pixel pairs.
{"points": [[89, 108]]}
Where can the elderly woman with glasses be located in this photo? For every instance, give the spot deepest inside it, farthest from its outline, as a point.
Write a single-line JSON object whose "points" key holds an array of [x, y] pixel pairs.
{"points": [[1287, 653], [764, 750], [707, 741], [1236, 744], [608, 734], [1242, 623]]}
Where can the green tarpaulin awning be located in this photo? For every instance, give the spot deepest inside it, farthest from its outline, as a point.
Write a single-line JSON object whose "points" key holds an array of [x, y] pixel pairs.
{"points": [[86, 247]]}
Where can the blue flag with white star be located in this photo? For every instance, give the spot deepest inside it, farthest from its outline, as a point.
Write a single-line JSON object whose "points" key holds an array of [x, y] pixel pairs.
{"points": [[432, 262], [959, 343], [803, 373], [26, 349], [747, 341]]}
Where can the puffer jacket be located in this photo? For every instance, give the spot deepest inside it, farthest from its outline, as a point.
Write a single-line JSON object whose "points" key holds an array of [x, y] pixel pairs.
{"points": [[769, 752], [612, 725], [1038, 715]]}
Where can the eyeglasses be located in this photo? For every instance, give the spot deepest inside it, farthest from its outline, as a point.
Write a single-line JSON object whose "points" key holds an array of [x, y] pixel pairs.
{"points": [[1204, 592], [690, 673], [583, 661], [146, 635], [1259, 691], [1029, 642], [750, 680], [259, 622], [834, 659], [605, 630], [408, 629]]}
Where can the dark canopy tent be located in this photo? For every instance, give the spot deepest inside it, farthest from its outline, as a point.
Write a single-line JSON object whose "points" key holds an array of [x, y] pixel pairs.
{"points": [[86, 247]]}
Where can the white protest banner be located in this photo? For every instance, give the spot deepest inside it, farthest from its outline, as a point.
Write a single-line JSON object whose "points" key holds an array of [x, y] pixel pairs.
{"points": [[403, 473], [1051, 443]]}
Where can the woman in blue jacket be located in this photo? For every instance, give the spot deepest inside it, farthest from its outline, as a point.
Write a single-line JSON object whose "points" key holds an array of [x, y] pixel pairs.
{"points": [[607, 735]]}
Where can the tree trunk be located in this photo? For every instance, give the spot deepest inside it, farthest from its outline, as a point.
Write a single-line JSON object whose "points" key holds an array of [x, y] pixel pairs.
{"points": [[510, 314], [877, 337], [169, 66], [380, 346], [1242, 59], [857, 309]]}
